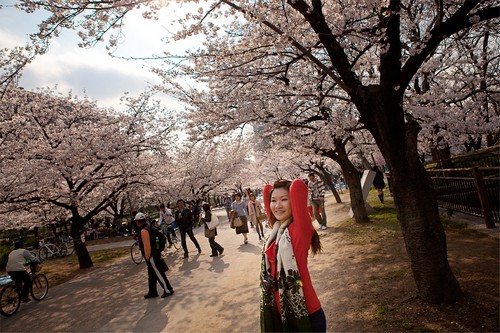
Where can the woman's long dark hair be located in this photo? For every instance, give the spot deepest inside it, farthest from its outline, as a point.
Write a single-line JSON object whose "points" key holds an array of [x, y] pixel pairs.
{"points": [[283, 183]]}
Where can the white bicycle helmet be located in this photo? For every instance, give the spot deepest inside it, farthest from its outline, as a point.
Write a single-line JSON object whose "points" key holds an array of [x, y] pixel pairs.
{"points": [[140, 216]]}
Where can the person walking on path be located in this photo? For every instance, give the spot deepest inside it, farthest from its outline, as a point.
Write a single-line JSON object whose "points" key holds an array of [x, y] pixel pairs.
{"points": [[378, 183], [16, 261], [227, 201], [240, 208], [152, 257], [184, 219], [217, 249], [288, 300], [254, 213], [317, 198]]}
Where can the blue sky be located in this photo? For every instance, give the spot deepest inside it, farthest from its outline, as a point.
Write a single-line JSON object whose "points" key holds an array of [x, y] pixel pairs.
{"points": [[88, 71]]}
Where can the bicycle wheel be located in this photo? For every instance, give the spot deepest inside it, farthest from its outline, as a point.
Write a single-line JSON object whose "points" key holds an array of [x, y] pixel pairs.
{"points": [[39, 287], [176, 242], [44, 253], [136, 254], [55, 251], [70, 248], [63, 250], [10, 300]]}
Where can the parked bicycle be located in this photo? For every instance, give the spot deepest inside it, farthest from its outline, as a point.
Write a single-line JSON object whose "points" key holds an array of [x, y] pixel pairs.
{"points": [[135, 252], [50, 250], [67, 246], [10, 296]]}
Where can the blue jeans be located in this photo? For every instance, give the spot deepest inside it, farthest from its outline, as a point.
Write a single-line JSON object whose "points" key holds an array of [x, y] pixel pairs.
{"points": [[318, 321]]}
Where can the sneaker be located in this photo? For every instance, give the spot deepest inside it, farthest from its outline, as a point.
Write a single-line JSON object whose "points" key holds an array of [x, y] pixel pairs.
{"points": [[214, 255], [323, 227], [246, 241], [150, 296], [186, 255], [221, 251], [165, 294]]}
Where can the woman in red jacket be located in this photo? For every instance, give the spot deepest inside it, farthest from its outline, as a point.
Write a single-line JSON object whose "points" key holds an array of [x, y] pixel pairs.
{"points": [[288, 300]]}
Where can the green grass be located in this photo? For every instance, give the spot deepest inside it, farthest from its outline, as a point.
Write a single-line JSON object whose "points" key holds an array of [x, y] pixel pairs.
{"points": [[379, 314], [103, 256], [383, 222]]}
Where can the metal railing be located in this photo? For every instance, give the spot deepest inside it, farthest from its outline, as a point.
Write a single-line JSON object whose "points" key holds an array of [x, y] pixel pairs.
{"points": [[474, 191]]}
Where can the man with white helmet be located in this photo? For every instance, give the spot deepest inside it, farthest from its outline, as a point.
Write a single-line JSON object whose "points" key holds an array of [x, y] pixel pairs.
{"points": [[152, 257]]}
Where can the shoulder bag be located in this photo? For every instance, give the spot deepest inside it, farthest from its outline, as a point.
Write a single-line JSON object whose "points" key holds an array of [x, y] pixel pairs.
{"points": [[213, 223]]}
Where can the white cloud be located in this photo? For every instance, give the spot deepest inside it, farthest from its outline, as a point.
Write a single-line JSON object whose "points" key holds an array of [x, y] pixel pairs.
{"points": [[89, 71]]}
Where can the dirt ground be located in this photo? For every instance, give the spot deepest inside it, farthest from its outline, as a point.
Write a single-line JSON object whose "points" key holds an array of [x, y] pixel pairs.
{"points": [[374, 290], [364, 281]]}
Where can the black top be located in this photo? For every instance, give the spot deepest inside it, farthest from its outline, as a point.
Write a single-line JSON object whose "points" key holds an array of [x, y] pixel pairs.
{"points": [[184, 219]]}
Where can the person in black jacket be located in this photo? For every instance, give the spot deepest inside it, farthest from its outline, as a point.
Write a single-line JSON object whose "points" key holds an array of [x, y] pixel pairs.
{"points": [[378, 183], [184, 219]]}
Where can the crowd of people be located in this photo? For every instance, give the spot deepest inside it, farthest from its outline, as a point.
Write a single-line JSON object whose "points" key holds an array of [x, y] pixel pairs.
{"points": [[288, 300], [288, 211]]}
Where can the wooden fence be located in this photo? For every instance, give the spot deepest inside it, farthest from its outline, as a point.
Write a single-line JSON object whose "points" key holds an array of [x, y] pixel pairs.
{"points": [[474, 191]]}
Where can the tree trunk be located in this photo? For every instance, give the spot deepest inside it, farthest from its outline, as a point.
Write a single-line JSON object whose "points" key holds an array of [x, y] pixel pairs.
{"points": [[352, 179], [81, 251], [424, 235], [415, 200], [326, 177], [336, 194]]}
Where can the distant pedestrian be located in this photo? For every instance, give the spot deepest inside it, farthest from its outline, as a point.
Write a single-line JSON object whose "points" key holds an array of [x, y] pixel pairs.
{"points": [[317, 198], [378, 183], [255, 211], [184, 219], [240, 208], [152, 257], [217, 249], [227, 201]]}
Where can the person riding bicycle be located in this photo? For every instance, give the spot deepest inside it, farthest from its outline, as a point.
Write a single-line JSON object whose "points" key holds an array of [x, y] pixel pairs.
{"points": [[17, 260], [166, 222]]}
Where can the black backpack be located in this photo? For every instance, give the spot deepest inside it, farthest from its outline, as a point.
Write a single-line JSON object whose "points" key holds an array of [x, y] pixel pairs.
{"points": [[158, 239]]}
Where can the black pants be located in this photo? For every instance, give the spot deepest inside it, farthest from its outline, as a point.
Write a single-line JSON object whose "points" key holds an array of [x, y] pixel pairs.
{"points": [[24, 278], [155, 274], [189, 232], [216, 248]]}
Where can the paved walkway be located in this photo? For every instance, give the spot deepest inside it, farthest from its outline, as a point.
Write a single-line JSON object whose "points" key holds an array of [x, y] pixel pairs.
{"points": [[113, 245], [211, 294], [218, 294]]}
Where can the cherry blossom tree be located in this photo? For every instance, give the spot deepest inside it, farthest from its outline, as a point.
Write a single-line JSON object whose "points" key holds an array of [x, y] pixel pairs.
{"points": [[371, 50], [462, 88], [344, 46], [63, 158], [199, 168]]}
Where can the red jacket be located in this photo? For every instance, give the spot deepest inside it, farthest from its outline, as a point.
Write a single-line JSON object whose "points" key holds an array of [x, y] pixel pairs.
{"points": [[301, 232]]}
